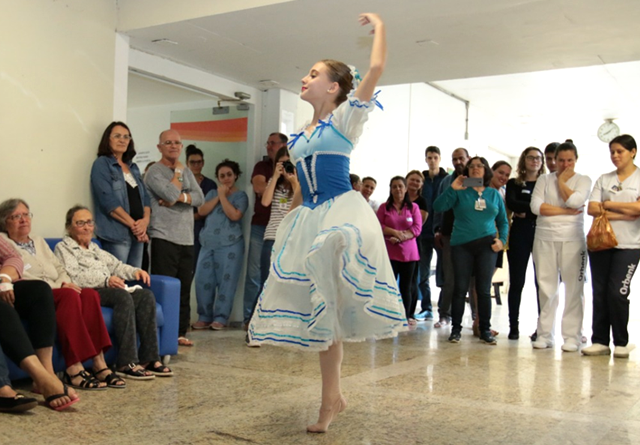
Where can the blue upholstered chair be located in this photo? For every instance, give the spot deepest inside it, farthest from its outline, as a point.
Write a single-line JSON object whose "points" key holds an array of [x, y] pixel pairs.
{"points": [[167, 293]]}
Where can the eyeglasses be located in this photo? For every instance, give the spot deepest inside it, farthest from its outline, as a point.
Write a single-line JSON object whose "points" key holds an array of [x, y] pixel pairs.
{"points": [[124, 137], [82, 223], [476, 166], [168, 143], [20, 216], [533, 158]]}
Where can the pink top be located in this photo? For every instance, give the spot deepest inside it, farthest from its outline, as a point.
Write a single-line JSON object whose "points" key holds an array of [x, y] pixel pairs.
{"points": [[9, 257], [405, 220]]}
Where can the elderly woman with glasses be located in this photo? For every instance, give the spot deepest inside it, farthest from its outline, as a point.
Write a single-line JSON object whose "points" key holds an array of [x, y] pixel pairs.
{"points": [[81, 329], [475, 243], [134, 309], [121, 199]]}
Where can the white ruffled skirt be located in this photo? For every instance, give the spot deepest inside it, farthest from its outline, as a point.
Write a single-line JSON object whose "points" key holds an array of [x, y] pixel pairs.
{"points": [[330, 279]]}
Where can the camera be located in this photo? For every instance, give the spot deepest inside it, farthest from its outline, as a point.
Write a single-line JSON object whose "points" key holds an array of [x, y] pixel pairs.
{"points": [[288, 167]]}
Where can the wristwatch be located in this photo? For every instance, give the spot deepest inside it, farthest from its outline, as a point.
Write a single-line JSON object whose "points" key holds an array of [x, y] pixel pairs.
{"points": [[179, 172]]}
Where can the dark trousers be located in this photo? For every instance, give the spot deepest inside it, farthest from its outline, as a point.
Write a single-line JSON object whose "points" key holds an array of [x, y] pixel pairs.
{"points": [[34, 303], [427, 247], [473, 258], [175, 260], [406, 271], [133, 313], [520, 246], [611, 273]]}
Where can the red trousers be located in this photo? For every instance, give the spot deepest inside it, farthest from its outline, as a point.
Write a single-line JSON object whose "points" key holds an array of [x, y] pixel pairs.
{"points": [[81, 329]]}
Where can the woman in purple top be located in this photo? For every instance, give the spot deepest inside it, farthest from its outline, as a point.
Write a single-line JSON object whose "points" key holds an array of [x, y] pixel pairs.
{"points": [[401, 225]]}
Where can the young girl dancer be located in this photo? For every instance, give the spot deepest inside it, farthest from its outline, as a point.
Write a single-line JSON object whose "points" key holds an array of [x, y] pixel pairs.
{"points": [[330, 279]]}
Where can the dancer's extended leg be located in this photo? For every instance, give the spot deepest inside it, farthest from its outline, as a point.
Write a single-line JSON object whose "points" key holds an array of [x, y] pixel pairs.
{"points": [[332, 400]]}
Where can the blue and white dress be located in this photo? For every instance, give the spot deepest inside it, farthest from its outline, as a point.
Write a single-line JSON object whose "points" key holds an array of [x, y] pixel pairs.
{"points": [[330, 277]]}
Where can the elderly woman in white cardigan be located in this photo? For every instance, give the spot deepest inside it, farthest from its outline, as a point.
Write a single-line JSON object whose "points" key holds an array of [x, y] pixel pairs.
{"points": [[134, 311]]}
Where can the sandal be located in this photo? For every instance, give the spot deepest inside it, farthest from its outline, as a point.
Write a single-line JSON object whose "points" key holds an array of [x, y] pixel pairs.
{"points": [[88, 382], [135, 372], [18, 403], [50, 399], [111, 379], [184, 341], [160, 371]]}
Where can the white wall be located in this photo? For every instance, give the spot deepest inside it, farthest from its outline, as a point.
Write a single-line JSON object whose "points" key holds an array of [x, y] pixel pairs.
{"points": [[56, 85], [414, 117]]}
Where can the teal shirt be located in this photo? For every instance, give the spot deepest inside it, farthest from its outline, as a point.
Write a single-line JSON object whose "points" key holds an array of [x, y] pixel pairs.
{"points": [[471, 224]]}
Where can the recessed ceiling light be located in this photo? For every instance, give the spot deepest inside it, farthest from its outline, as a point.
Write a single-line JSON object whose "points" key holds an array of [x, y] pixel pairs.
{"points": [[165, 41], [268, 83], [427, 42]]}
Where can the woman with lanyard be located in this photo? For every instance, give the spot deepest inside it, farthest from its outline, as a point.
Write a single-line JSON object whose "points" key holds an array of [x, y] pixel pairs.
{"points": [[615, 193], [523, 229], [478, 211]]}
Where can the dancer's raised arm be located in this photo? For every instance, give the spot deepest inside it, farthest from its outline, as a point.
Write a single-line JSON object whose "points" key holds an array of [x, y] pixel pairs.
{"points": [[378, 56]]}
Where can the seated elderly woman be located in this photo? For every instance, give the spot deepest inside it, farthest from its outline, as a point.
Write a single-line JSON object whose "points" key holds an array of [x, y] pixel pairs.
{"points": [[134, 308], [31, 300], [81, 330]]}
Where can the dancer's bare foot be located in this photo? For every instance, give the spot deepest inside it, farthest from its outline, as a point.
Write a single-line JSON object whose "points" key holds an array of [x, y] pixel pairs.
{"points": [[327, 415]]}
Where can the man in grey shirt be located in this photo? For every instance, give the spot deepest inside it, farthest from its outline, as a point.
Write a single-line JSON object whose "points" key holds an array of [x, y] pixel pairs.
{"points": [[174, 192]]}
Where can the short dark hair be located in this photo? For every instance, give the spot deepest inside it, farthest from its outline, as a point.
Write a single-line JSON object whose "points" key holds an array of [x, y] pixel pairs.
{"points": [[233, 165], [354, 179], [283, 138], [192, 150], [369, 178], [466, 152], [72, 211], [567, 146], [488, 173], [626, 141], [432, 149], [104, 148], [406, 201], [551, 148]]}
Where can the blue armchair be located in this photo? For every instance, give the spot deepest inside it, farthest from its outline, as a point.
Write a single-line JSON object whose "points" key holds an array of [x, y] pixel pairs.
{"points": [[167, 293]]}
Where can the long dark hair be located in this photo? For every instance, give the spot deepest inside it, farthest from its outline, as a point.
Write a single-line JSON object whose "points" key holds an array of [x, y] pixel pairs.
{"points": [[406, 201], [104, 148], [521, 174], [282, 180]]}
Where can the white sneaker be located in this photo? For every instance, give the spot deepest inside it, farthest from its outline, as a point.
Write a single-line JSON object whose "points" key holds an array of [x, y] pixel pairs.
{"points": [[622, 351], [569, 347], [541, 344], [597, 349]]}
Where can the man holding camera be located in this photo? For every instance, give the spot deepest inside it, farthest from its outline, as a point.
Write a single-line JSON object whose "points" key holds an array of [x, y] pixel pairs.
{"points": [[262, 172]]}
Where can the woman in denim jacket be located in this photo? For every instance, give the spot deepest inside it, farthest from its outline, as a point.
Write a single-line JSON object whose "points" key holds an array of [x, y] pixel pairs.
{"points": [[122, 206]]}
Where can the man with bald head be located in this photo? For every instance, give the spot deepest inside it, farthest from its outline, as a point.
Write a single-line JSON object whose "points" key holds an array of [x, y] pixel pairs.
{"points": [[174, 192]]}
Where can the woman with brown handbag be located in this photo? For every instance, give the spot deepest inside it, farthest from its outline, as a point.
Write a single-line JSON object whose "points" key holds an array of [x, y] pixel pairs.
{"points": [[616, 194]]}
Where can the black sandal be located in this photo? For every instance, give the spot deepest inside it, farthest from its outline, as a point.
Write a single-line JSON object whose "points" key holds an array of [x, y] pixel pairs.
{"points": [[17, 403], [88, 383], [111, 379], [130, 372], [160, 371]]}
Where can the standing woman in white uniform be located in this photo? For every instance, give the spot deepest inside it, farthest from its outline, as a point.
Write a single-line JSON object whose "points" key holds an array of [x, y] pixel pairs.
{"points": [[612, 269], [559, 247]]}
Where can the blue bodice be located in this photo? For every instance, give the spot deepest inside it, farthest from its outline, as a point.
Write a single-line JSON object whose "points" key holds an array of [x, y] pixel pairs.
{"points": [[322, 162]]}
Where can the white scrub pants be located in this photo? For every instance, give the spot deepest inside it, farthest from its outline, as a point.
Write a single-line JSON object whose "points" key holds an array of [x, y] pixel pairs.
{"points": [[552, 260]]}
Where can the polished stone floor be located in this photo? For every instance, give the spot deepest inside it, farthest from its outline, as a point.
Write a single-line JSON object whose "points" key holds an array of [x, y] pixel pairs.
{"points": [[416, 389]]}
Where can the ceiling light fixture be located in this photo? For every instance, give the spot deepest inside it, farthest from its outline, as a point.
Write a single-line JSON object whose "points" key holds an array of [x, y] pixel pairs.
{"points": [[163, 41]]}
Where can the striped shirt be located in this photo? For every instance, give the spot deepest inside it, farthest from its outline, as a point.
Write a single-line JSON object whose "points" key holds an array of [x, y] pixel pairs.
{"points": [[10, 257], [280, 205]]}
